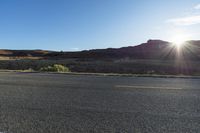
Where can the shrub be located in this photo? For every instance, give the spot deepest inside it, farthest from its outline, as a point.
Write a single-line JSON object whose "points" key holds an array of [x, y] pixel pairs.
{"points": [[55, 68]]}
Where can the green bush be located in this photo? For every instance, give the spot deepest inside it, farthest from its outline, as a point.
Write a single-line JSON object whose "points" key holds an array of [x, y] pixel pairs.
{"points": [[55, 68]]}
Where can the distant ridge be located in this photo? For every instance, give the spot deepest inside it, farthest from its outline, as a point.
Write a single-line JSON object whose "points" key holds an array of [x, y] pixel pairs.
{"points": [[7, 52], [152, 49]]}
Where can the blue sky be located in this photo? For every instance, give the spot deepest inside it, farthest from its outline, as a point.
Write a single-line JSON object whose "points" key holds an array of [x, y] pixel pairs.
{"points": [[87, 24]]}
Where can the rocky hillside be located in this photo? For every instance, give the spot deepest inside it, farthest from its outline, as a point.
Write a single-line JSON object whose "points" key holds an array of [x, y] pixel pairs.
{"points": [[152, 49]]}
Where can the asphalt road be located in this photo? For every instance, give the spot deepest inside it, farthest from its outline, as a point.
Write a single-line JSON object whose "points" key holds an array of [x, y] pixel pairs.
{"points": [[58, 103]]}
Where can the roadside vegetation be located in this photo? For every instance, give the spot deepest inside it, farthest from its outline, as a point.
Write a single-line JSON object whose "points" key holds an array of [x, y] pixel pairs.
{"points": [[55, 68], [151, 67]]}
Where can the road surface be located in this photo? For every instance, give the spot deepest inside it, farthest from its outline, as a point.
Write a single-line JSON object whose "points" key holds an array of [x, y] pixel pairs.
{"points": [[58, 103]]}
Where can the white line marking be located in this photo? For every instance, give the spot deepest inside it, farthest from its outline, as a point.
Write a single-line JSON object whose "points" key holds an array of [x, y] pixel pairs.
{"points": [[148, 87]]}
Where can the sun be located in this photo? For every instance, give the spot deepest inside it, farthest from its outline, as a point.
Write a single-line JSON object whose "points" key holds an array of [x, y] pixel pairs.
{"points": [[178, 41]]}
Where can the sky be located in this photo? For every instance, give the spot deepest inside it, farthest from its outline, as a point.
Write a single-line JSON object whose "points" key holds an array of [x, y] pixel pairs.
{"points": [[72, 25]]}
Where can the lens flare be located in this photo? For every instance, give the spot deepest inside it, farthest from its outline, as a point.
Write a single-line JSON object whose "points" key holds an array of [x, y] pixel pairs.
{"points": [[179, 40]]}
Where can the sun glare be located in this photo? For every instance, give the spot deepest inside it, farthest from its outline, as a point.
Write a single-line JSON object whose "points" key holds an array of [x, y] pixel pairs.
{"points": [[179, 39]]}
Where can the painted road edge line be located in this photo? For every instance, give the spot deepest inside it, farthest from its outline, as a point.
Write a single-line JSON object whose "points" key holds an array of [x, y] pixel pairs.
{"points": [[148, 87]]}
